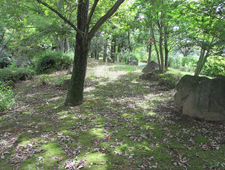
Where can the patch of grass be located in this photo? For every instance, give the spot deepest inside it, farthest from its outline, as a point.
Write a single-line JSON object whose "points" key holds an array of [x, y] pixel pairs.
{"points": [[127, 68]]}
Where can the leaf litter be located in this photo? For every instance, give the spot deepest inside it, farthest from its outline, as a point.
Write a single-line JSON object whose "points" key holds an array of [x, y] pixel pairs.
{"points": [[123, 124]]}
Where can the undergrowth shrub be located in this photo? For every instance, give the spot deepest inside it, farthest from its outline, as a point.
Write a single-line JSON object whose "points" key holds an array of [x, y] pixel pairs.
{"points": [[7, 98], [214, 67], [189, 63], [175, 61], [126, 57], [45, 79], [51, 59], [16, 74], [184, 63]]}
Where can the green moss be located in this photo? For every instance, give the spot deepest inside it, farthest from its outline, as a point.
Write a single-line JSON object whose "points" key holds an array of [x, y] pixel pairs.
{"points": [[138, 118]]}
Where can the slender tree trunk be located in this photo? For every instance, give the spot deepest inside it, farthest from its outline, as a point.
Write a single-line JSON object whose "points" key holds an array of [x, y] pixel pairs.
{"points": [[105, 50], [166, 54], [155, 45], [66, 45], [161, 54], [113, 48], [61, 44], [166, 47], [201, 61], [203, 57], [75, 91], [150, 53], [129, 44], [97, 49]]}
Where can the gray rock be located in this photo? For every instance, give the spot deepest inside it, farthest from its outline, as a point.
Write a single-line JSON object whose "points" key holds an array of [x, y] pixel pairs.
{"points": [[65, 85], [201, 97], [151, 66], [133, 62], [152, 76]]}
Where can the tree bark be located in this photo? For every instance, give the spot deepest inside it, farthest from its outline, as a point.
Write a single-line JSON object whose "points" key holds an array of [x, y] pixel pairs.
{"points": [[155, 45], [150, 53], [105, 50], [76, 88], [203, 56], [113, 48], [166, 36]]}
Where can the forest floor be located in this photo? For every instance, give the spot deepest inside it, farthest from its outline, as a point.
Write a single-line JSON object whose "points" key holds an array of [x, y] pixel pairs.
{"points": [[124, 124]]}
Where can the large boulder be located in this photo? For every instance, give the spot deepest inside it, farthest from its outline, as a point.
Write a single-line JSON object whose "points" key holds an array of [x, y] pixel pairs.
{"points": [[201, 97], [150, 67]]}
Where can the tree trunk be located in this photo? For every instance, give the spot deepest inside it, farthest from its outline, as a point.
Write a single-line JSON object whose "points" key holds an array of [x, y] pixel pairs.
{"points": [[155, 45], [113, 48], [166, 54], [66, 45], [129, 44], [75, 91], [166, 36], [150, 53], [203, 56], [161, 69], [201, 61], [97, 49], [105, 50]]}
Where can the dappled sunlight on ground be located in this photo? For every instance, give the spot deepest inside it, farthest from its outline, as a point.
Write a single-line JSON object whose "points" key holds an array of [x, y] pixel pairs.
{"points": [[124, 123]]}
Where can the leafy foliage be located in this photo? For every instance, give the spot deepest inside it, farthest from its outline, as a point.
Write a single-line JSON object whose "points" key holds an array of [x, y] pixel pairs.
{"points": [[16, 74], [7, 98], [184, 63], [126, 57], [56, 60], [215, 67], [45, 79]]}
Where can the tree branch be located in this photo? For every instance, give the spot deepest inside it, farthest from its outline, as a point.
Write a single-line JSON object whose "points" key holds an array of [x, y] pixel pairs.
{"points": [[91, 13], [104, 18], [62, 17]]}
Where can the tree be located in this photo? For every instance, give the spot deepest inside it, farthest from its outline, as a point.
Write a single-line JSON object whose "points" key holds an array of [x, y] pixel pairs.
{"points": [[83, 39], [156, 16], [205, 20]]}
